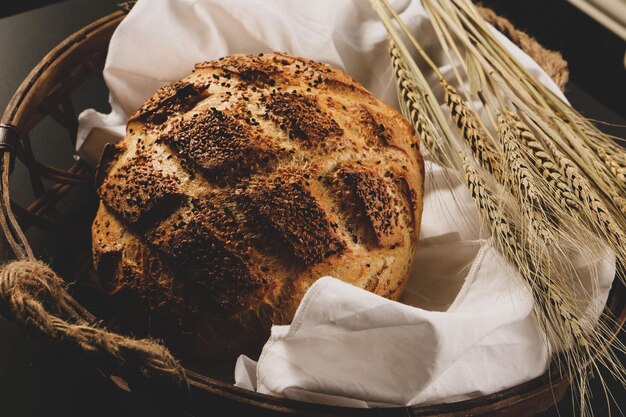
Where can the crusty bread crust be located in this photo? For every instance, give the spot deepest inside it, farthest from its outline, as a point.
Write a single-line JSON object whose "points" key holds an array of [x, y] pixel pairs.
{"points": [[237, 187]]}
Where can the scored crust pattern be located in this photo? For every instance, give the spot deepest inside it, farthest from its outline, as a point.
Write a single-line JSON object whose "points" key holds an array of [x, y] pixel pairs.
{"points": [[237, 187]]}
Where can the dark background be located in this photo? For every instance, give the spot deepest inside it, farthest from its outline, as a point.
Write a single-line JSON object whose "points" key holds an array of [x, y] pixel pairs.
{"points": [[595, 55], [36, 378], [16, 7]]}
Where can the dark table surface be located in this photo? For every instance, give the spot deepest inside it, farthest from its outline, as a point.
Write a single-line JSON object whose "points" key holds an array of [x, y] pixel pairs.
{"points": [[36, 378]]}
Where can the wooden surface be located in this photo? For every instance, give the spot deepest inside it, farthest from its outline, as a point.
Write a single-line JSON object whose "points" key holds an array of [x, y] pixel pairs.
{"points": [[87, 384]]}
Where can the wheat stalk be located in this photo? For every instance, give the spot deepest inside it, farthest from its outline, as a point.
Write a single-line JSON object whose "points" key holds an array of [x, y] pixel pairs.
{"points": [[574, 189], [589, 167], [544, 163], [558, 178], [619, 202], [597, 212], [474, 135], [521, 181], [538, 184], [521, 176], [412, 104], [614, 175], [615, 151], [553, 307]]}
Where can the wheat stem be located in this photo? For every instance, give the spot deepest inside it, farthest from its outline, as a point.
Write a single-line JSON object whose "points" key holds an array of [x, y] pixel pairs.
{"points": [[559, 179], [412, 39]]}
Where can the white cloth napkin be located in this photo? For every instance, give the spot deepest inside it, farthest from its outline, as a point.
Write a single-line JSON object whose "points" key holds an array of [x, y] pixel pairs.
{"points": [[466, 328]]}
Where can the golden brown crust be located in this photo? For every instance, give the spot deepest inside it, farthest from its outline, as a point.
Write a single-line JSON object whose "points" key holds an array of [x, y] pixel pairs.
{"points": [[173, 98], [137, 189], [286, 203], [376, 201], [195, 246], [239, 186], [218, 144], [302, 118]]}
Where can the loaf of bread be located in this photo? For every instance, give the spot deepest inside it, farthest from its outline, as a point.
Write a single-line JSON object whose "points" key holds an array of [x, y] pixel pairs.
{"points": [[237, 187]]}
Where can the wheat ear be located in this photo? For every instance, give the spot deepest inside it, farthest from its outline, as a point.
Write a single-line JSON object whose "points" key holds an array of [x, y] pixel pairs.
{"points": [[597, 212], [556, 307], [619, 202], [613, 190], [544, 164], [411, 103], [555, 222], [552, 302], [616, 169], [521, 181], [472, 132], [574, 190]]}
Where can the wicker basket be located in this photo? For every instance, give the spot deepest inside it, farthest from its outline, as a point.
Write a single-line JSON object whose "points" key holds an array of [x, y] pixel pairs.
{"points": [[47, 92]]}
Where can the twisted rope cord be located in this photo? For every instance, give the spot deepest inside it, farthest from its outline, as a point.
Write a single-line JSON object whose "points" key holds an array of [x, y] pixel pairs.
{"points": [[33, 295]]}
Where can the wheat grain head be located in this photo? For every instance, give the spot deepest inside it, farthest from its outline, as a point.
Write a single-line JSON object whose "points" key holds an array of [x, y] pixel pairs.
{"points": [[475, 136]]}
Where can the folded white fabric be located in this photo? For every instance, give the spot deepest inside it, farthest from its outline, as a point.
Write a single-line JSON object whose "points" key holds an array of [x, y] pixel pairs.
{"points": [[466, 328]]}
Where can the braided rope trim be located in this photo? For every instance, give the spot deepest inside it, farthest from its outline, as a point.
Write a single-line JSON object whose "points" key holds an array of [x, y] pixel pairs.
{"points": [[34, 296]]}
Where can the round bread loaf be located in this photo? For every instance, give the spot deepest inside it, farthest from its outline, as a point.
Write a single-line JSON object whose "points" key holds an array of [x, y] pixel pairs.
{"points": [[237, 187]]}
